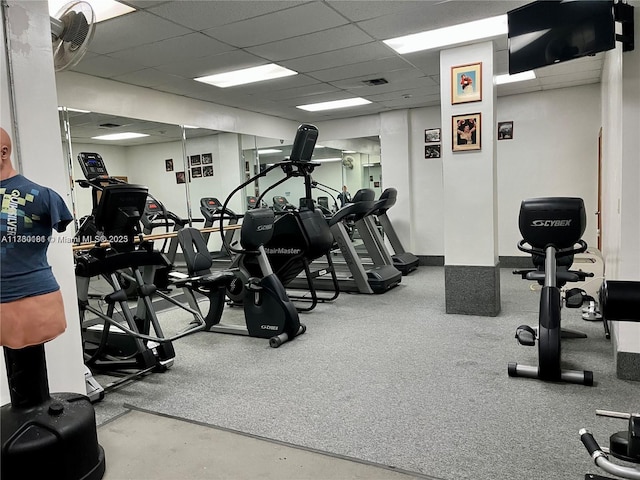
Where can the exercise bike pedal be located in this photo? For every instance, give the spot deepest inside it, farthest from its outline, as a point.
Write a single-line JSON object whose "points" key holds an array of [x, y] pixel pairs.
{"points": [[526, 335]]}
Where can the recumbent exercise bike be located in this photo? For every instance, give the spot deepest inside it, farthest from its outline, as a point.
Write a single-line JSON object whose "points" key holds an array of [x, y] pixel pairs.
{"points": [[552, 227]]}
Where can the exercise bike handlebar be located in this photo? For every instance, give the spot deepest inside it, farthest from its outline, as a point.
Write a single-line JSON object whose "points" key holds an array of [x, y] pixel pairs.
{"points": [[602, 460], [559, 252]]}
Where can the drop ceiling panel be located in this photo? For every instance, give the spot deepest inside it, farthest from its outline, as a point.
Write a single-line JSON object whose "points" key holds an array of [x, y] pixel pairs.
{"points": [[398, 80], [201, 15], [147, 77], [414, 89], [337, 58], [301, 92], [358, 10], [174, 49], [569, 84], [580, 65], [313, 43], [131, 30], [577, 78], [431, 15], [276, 85], [417, 101], [281, 25], [143, 4], [210, 65], [361, 69], [106, 66]]}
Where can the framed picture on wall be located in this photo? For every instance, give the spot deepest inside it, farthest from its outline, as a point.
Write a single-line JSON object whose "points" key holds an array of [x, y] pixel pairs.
{"points": [[168, 165], [195, 160], [466, 132], [207, 158], [432, 151], [196, 172], [505, 130], [466, 83], [432, 135], [207, 171], [180, 177]]}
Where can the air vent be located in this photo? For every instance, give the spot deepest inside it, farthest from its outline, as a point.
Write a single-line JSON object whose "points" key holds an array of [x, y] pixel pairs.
{"points": [[109, 125], [375, 81]]}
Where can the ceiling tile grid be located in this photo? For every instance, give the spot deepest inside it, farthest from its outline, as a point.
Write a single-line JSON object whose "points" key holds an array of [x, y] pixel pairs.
{"points": [[334, 45]]}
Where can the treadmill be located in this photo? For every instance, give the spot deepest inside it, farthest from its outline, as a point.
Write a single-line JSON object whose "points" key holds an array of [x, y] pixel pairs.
{"points": [[379, 278], [404, 261], [212, 211]]}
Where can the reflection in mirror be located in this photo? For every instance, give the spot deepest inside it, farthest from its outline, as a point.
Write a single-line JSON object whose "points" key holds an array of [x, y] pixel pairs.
{"points": [[354, 163], [153, 159], [213, 170]]}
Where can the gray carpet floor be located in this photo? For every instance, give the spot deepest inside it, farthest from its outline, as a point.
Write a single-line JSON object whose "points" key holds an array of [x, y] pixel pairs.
{"points": [[392, 379]]}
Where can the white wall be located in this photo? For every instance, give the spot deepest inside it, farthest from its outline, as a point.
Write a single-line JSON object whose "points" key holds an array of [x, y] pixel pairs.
{"points": [[553, 152]]}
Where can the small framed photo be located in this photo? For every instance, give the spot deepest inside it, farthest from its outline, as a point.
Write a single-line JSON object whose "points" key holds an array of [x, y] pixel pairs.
{"points": [[168, 165], [207, 159], [207, 171], [466, 83], [505, 130], [466, 131], [195, 160], [376, 184], [432, 151], [196, 172], [432, 135], [180, 177]]}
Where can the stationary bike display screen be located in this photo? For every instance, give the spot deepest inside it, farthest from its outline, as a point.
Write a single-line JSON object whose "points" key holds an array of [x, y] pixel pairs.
{"points": [[92, 165]]}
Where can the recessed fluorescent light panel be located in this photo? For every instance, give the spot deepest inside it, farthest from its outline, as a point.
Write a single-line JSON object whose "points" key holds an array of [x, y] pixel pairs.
{"points": [[267, 151], [103, 9], [453, 35], [518, 77], [349, 102], [247, 75], [120, 136]]}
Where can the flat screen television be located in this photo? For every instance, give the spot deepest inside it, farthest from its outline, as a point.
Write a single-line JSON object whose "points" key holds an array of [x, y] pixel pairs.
{"points": [[548, 32]]}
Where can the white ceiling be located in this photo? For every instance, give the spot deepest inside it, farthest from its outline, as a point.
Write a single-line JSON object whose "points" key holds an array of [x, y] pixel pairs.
{"points": [[334, 45]]}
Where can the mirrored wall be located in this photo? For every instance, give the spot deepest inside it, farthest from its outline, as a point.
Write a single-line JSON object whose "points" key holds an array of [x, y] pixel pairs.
{"points": [[352, 163], [181, 165]]}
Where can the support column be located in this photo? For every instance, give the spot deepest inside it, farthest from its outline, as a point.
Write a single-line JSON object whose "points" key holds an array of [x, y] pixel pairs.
{"points": [[395, 140], [472, 272], [38, 155]]}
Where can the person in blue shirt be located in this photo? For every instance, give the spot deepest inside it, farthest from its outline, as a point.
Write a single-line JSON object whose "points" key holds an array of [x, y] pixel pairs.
{"points": [[31, 306]]}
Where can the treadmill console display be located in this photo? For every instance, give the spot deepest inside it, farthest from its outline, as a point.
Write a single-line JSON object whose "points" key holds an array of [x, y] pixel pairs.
{"points": [[92, 165]]}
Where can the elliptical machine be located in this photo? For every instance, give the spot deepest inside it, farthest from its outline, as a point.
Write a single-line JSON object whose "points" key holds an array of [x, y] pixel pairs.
{"points": [[551, 227], [300, 235]]}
